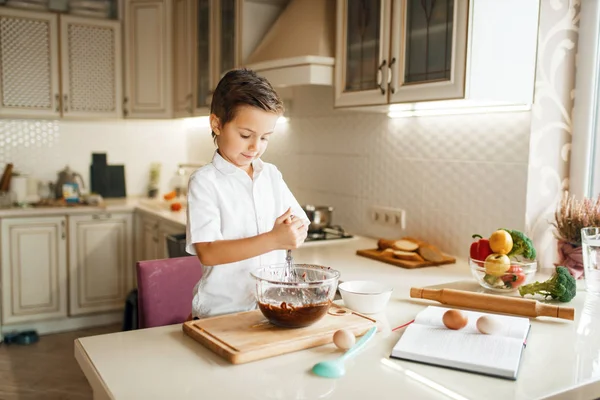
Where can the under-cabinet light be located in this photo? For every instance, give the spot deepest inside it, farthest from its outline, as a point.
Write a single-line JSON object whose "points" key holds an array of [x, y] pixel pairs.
{"points": [[431, 109]]}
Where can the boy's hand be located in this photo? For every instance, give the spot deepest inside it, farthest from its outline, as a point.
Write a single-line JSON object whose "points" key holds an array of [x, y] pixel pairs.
{"points": [[288, 233]]}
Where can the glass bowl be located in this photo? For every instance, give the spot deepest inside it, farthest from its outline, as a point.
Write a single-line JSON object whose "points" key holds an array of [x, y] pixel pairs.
{"points": [[520, 273], [296, 300]]}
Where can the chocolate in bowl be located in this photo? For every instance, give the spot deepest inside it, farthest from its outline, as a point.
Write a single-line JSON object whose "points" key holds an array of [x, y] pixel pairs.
{"points": [[297, 301]]}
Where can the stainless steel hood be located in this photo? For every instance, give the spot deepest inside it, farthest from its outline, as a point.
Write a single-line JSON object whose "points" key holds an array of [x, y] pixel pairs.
{"points": [[299, 48]]}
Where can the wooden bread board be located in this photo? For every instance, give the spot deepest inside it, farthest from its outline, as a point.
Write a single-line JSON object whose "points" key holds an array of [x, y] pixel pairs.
{"points": [[378, 255], [248, 336]]}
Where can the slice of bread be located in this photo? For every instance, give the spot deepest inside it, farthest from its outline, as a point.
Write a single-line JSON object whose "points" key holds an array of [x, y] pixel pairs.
{"points": [[389, 252], [407, 255], [403, 245], [383, 244], [431, 253]]}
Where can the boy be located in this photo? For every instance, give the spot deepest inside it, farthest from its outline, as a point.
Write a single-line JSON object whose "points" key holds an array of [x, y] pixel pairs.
{"points": [[241, 214]]}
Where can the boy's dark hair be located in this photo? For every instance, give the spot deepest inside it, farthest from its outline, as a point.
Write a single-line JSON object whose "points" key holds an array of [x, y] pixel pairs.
{"points": [[243, 87]]}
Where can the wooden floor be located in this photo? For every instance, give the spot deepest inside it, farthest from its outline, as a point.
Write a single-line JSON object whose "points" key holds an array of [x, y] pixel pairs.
{"points": [[46, 369]]}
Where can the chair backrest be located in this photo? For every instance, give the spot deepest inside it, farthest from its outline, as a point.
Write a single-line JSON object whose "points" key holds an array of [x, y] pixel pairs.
{"points": [[165, 290]]}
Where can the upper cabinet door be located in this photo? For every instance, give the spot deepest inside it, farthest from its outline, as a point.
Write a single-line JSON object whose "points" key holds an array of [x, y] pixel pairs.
{"points": [[362, 47], [29, 72], [428, 52], [148, 56], [227, 34], [91, 66], [183, 35], [203, 54]]}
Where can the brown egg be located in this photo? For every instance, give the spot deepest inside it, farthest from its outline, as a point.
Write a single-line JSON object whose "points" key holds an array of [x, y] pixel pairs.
{"points": [[454, 319], [344, 339]]}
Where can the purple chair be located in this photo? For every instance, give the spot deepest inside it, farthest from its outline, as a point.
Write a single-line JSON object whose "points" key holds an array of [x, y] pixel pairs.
{"points": [[165, 290]]}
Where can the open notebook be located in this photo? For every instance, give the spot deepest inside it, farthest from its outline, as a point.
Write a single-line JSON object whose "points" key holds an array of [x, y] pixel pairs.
{"points": [[427, 340]]}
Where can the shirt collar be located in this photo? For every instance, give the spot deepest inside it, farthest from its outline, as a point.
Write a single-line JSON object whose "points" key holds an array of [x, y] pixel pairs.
{"points": [[226, 167]]}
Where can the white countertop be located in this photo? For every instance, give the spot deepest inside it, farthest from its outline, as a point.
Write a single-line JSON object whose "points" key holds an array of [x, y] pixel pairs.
{"points": [[158, 208], [163, 363]]}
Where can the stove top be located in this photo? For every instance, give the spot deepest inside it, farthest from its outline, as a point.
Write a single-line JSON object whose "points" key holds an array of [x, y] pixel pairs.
{"points": [[331, 233]]}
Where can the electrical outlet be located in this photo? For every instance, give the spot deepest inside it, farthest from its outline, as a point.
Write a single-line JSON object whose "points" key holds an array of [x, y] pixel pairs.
{"points": [[389, 216]]}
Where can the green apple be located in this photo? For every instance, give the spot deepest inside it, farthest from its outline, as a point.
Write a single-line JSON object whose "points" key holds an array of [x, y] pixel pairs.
{"points": [[497, 264]]}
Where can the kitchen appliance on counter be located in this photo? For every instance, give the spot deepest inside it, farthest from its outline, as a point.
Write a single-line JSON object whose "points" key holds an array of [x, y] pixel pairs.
{"points": [[320, 227], [68, 177], [329, 233]]}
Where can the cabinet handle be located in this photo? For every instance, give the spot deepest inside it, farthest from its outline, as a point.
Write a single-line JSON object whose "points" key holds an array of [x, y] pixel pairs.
{"points": [[390, 75], [101, 216], [125, 101], [63, 234], [190, 98], [57, 101], [66, 105], [380, 76]]}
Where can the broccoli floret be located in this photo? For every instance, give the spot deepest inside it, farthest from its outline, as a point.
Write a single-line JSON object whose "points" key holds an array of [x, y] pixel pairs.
{"points": [[561, 286], [522, 245]]}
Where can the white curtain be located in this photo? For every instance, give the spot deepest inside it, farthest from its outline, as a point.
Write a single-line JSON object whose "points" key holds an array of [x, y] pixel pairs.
{"points": [[585, 150]]}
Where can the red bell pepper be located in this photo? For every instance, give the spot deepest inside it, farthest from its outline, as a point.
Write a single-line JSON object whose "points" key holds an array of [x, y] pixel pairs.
{"points": [[514, 277], [480, 249]]}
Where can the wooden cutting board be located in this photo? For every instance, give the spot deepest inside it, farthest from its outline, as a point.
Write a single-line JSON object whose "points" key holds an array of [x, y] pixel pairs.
{"points": [[248, 336], [378, 255]]}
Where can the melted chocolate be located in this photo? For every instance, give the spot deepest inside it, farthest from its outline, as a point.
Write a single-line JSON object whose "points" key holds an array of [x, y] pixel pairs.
{"points": [[288, 316]]}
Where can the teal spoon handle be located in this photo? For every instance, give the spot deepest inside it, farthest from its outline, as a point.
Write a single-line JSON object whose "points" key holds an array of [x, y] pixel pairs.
{"points": [[360, 344]]}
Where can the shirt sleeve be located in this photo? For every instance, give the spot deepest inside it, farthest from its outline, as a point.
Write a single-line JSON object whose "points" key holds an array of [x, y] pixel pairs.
{"points": [[203, 214], [290, 201]]}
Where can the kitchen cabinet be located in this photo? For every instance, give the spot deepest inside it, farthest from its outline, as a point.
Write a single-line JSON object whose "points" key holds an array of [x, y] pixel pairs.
{"points": [[152, 236], [88, 65], [148, 59], [91, 67], [410, 51], [100, 262], [57, 267], [175, 53], [29, 58], [34, 269], [218, 49], [147, 237], [386, 47]]}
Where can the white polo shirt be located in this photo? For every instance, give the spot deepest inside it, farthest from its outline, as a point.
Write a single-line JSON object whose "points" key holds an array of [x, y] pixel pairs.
{"points": [[225, 204]]}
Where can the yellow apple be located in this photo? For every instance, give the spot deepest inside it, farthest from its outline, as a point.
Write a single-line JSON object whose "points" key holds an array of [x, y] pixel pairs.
{"points": [[497, 264], [501, 242]]}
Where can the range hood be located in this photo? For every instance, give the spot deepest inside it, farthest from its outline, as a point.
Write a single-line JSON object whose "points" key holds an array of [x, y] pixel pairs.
{"points": [[299, 48]]}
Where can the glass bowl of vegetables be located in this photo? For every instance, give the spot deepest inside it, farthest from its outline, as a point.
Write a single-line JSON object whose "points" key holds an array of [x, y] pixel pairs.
{"points": [[500, 273]]}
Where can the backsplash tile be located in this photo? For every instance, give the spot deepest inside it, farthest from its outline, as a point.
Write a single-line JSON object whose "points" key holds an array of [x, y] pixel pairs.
{"points": [[454, 175], [42, 148], [28, 142]]}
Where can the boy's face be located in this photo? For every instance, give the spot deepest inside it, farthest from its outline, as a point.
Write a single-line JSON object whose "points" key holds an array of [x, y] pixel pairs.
{"points": [[244, 138]]}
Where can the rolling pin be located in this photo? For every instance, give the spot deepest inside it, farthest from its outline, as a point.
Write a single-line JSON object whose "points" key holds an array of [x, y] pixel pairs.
{"points": [[490, 302]]}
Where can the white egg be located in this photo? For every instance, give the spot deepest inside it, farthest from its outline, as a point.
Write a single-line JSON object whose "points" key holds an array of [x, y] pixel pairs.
{"points": [[344, 339], [488, 325]]}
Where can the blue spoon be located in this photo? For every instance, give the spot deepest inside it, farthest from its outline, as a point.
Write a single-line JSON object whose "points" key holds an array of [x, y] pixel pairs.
{"points": [[335, 368]]}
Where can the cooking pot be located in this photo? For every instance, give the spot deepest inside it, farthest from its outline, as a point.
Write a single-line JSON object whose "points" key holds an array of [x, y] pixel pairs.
{"points": [[319, 216]]}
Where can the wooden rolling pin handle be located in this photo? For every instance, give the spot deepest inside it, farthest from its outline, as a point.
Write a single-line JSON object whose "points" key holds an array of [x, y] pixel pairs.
{"points": [[489, 302]]}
